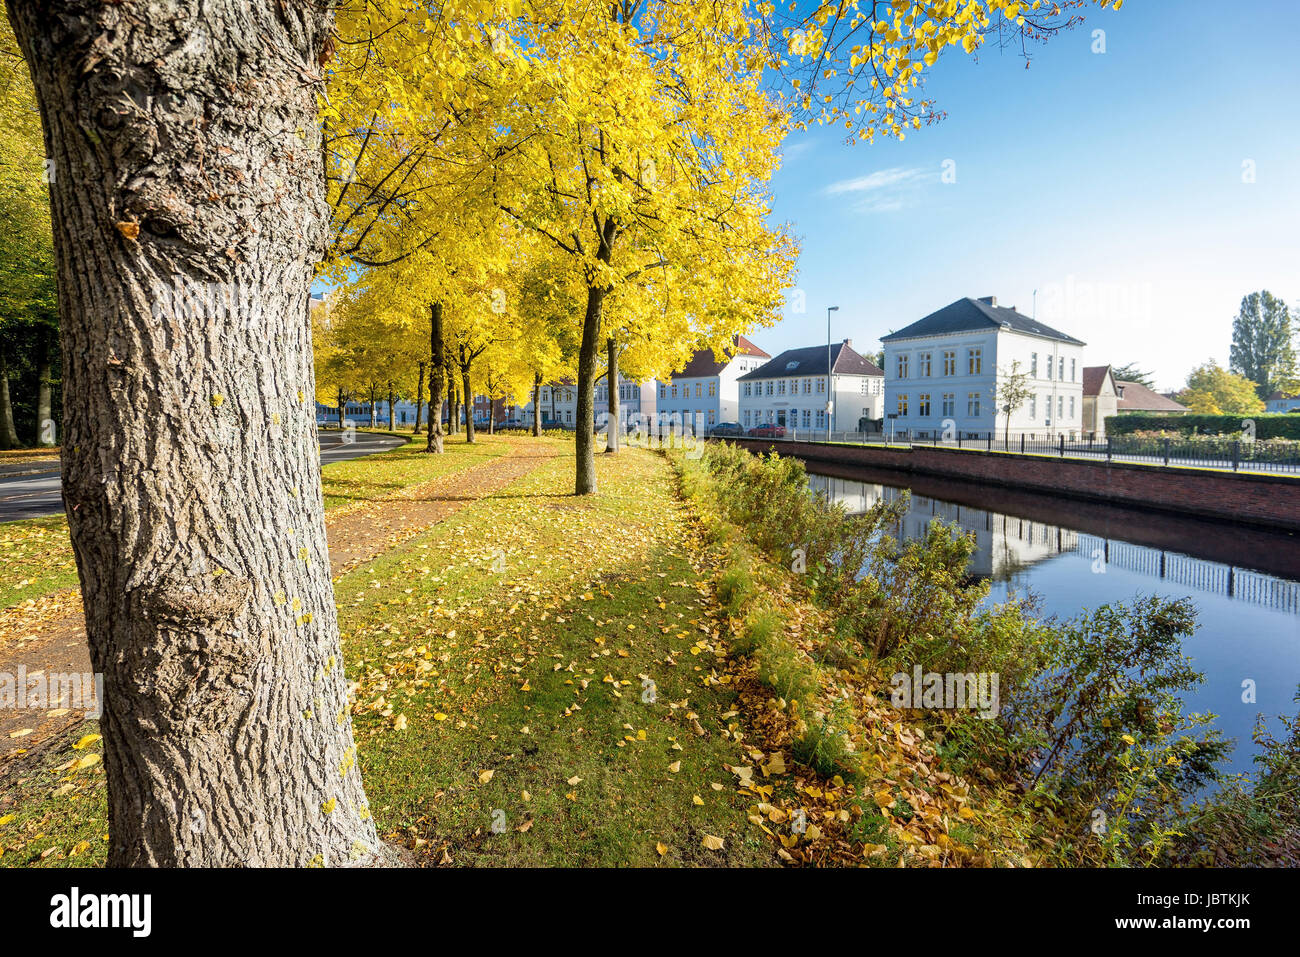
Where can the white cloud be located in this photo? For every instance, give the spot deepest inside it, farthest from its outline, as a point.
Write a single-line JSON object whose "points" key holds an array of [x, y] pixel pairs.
{"points": [[884, 191], [881, 179]]}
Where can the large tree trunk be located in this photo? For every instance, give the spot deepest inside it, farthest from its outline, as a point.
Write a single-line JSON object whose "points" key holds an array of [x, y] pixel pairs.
{"points": [[469, 402], [585, 440], [537, 404], [419, 399], [453, 412], [8, 434], [187, 152], [343, 401], [614, 429], [584, 437], [437, 378], [45, 434], [392, 411]]}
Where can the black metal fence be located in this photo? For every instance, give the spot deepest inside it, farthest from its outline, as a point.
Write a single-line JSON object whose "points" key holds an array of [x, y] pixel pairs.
{"points": [[1239, 455]]}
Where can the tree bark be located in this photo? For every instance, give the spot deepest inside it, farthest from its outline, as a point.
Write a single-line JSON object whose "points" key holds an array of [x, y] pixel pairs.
{"points": [[187, 158], [8, 434], [343, 401], [419, 399], [613, 429], [453, 413], [537, 404], [584, 482], [584, 437], [437, 378], [45, 434], [469, 406]]}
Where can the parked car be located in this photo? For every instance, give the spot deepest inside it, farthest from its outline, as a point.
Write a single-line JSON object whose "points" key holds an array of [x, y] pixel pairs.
{"points": [[768, 430], [726, 428]]}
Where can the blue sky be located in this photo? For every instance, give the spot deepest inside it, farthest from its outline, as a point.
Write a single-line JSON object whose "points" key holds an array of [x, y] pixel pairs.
{"points": [[1110, 182]]}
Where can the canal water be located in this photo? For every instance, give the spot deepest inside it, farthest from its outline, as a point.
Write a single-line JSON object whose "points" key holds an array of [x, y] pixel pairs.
{"points": [[1245, 583]]}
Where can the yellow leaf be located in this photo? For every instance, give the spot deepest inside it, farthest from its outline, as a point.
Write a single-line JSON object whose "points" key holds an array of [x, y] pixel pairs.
{"points": [[662, 848], [485, 776], [712, 843], [87, 741]]}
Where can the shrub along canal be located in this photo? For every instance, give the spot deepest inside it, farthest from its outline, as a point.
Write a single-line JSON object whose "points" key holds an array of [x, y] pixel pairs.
{"points": [[1072, 555]]}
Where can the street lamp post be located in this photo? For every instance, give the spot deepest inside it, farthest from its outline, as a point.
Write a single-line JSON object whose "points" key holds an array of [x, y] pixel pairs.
{"points": [[830, 402]]}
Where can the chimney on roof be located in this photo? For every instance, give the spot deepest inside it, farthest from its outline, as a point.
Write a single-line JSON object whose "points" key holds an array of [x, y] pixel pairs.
{"points": [[989, 300], [849, 343]]}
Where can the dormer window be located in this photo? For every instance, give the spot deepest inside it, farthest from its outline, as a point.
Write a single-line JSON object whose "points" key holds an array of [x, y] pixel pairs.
{"points": [[792, 364]]}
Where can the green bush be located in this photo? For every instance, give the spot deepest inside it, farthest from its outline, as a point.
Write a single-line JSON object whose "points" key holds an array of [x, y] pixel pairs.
{"points": [[1273, 425]]}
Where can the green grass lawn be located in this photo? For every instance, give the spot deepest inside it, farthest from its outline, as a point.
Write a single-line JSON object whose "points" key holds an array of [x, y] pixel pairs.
{"points": [[535, 673]]}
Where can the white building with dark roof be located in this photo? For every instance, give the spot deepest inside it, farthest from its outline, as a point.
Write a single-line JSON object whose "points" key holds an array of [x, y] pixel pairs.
{"points": [[791, 390], [707, 386], [942, 374]]}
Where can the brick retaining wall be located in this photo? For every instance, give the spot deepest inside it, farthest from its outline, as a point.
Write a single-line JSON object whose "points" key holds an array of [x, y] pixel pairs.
{"points": [[1269, 501]]}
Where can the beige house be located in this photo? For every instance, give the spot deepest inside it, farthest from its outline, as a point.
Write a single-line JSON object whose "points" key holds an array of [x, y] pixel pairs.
{"points": [[1100, 399], [1105, 395]]}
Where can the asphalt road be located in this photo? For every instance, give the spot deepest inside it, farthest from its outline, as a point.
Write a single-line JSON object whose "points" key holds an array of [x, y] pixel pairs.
{"points": [[30, 496]]}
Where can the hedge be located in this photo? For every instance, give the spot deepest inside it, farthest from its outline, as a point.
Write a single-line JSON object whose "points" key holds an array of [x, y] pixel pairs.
{"points": [[1275, 425]]}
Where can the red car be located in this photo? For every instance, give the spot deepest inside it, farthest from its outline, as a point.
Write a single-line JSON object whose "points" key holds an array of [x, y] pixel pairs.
{"points": [[768, 430]]}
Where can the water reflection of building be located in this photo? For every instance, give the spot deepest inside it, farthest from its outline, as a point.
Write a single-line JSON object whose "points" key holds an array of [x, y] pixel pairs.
{"points": [[1004, 544], [1007, 546]]}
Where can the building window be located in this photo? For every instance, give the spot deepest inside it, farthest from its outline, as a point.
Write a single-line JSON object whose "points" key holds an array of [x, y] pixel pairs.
{"points": [[1060, 374], [973, 404], [1072, 373], [712, 416], [1033, 364], [769, 386], [1060, 407], [746, 418], [807, 418], [697, 390], [902, 404], [866, 386], [974, 361], [1072, 407], [949, 362], [713, 388], [902, 366], [821, 386], [780, 387], [949, 404], [674, 390], [663, 391], [923, 405], [1033, 407], [821, 418], [746, 388], [923, 365], [807, 386]]}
